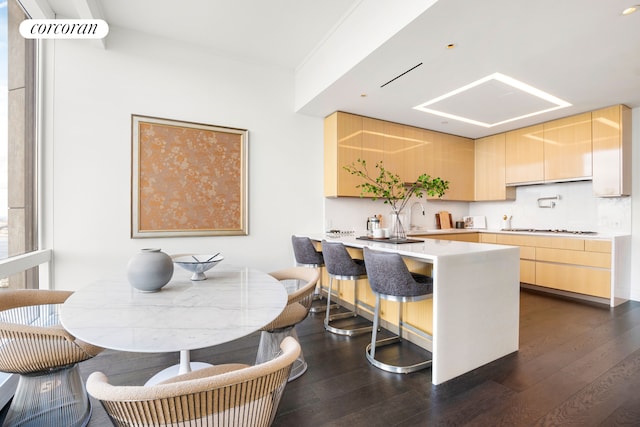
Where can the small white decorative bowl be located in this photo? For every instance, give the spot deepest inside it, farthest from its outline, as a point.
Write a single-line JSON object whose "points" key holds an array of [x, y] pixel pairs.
{"points": [[197, 263]]}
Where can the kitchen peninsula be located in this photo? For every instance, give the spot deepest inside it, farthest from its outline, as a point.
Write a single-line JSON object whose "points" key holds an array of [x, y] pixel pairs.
{"points": [[473, 317]]}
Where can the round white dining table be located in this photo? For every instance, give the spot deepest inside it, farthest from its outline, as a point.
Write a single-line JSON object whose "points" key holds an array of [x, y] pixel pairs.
{"points": [[233, 302]]}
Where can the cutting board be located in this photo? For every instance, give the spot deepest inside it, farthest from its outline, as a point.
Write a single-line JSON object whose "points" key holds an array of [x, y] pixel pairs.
{"points": [[445, 219]]}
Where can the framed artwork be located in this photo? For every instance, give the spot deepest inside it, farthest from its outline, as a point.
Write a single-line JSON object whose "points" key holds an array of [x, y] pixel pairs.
{"points": [[187, 179]]}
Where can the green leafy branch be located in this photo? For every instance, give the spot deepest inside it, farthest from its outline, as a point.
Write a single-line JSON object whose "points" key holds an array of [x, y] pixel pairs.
{"points": [[388, 186]]}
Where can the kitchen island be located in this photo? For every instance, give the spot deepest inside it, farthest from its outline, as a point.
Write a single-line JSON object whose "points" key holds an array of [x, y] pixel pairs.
{"points": [[473, 318]]}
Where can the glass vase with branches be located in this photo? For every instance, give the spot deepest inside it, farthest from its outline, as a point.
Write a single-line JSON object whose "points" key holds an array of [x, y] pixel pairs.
{"points": [[386, 185]]}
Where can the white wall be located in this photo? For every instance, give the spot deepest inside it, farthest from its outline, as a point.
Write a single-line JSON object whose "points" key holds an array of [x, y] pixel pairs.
{"points": [[90, 96]]}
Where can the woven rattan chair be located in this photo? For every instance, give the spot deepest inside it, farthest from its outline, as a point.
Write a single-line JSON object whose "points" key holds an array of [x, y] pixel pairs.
{"points": [[222, 395], [297, 309], [34, 345]]}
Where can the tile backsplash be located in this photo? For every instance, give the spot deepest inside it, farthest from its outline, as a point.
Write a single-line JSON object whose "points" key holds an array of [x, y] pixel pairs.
{"points": [[576, 209]]}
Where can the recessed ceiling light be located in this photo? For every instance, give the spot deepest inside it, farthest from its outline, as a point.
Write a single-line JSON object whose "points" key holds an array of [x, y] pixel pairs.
{"points": [[451, 45], [630, 10], [489, 91], [363, 95]]}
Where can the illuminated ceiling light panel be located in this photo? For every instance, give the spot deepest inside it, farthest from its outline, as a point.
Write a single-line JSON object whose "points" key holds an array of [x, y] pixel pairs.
{"points": [[491, 101]]}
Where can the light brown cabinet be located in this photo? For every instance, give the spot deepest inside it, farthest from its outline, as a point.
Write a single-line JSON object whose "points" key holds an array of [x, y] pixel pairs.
{"points": [[490, 181], [372, 143], [611, 133], [458, 237], [567, 148], [342, 146], [451, 158], [574, 265], [404, 150], [524, 155]]}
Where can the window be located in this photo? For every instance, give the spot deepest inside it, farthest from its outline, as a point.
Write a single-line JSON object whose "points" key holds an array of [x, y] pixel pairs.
{"points": [[4, 111], [18, 231]]}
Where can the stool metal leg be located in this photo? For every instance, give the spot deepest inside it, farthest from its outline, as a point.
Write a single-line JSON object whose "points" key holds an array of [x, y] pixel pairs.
{"points": [[396, 339], [317, 296], [331, 317]]}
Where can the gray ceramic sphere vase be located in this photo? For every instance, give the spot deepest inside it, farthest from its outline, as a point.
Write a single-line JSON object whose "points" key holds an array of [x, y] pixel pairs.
{"points": [[149, 270]]}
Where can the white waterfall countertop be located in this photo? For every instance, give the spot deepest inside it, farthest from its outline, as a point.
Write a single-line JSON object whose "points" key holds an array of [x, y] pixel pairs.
{"points": [[476, 299]]}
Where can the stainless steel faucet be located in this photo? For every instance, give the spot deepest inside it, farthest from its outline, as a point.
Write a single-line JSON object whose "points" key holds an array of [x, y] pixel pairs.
{"points": [[411, 224]]}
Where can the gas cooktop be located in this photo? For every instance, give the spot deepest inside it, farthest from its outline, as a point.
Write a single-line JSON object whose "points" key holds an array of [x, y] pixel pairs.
{"points": [[559, 231]]}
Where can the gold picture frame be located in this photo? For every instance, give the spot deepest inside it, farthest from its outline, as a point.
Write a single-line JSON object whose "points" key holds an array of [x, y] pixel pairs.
{"points": [[187, 179]]}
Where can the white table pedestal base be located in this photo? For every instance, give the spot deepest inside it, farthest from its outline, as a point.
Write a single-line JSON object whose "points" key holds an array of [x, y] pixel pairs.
{"points": [[186, 365]]}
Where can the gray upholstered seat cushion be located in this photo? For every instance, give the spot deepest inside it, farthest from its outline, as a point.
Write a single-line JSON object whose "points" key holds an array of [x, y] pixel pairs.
{"points": [[305, 252], [389, 275], [339, 262]]}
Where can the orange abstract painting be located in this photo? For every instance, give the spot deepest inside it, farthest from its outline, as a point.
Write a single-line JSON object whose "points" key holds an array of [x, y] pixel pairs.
{"points": [[189, 179]]}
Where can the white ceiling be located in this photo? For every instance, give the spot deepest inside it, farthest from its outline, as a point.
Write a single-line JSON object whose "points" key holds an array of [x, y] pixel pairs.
{"points": [[581, 51]]}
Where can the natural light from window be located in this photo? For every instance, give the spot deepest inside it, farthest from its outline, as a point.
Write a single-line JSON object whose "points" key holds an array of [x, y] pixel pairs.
{"points": [[3, 130]]}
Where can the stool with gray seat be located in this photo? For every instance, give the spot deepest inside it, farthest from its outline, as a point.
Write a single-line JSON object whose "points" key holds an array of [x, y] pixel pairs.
{"points": [[306, 255], [340, 266], [390, 279]]}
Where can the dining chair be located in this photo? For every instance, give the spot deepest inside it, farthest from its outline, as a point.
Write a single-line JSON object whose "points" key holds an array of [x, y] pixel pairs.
{"points": [[298, 305], [390, 279], [35, 346], [221, 395]]}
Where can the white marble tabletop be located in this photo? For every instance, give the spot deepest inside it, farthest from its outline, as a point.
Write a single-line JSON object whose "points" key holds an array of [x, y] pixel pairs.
{"points": [[184, 315]]}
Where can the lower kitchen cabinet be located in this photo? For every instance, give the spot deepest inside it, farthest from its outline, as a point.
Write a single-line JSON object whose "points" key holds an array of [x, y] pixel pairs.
{"points": [[458, 237], [577, 266], [574, 278]]}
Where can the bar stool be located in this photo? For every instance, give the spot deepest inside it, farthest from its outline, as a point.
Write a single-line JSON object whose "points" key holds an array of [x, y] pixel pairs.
{"points": [[341, 266], [390, 279], [306, 255]]}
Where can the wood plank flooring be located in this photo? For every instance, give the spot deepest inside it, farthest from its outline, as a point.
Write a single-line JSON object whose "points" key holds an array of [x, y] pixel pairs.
{"points": [[578, 364]]}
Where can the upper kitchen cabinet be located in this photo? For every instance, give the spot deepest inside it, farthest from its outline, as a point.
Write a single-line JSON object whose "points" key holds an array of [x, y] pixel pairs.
{"points": [[524, 155], [567, 148], [405, 150], [416, 153], [490, 169], [395, 149], [343, 135], [372, 142], [451, 158], [611, 128]]}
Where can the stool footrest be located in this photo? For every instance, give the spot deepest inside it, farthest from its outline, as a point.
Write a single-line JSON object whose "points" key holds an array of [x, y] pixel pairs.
{"points": [[348, 332], [322, 309], [397, 369], [344, 315]]}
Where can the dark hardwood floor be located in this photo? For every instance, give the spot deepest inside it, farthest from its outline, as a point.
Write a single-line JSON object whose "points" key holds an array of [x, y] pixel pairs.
{"points": [[578, 364]]}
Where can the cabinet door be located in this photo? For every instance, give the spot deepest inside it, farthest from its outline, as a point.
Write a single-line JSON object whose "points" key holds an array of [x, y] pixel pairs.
{"points": [[524, 155], [490, 169], [348, 141], [567, 148], [372, 143], [572, 278], [415, 153], [395, 147], [611, 151], [453, 161]]}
